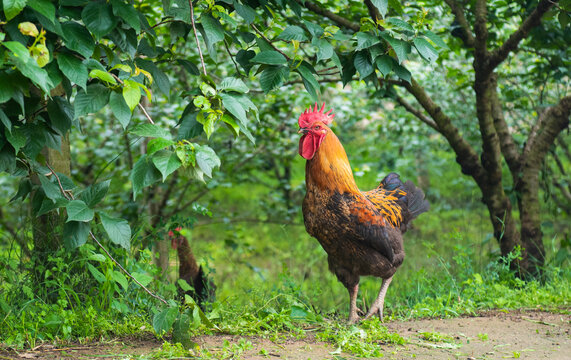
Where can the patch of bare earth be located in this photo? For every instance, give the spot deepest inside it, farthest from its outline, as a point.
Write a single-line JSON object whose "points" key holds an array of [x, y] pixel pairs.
{"points": [[492, 335]]}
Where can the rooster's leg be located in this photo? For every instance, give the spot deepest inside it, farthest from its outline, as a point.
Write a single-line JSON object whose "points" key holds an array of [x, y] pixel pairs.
{"points": [[353, 291], [380, 301]]}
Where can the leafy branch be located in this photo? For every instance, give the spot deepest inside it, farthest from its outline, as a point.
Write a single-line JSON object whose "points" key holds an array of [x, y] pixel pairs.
{"points": [[69, 196]]}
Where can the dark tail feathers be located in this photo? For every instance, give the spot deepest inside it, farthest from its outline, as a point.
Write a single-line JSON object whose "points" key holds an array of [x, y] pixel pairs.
{"points": [[413, 201], [416, 204]]}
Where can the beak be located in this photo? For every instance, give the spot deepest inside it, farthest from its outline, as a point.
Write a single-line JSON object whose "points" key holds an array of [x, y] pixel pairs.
{"points": [[303, 131]]}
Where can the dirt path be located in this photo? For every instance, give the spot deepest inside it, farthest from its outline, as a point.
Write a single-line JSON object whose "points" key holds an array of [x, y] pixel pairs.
{"points": [[493, 335]]}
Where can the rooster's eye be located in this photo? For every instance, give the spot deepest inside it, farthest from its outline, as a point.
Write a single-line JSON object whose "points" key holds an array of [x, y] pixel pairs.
{"points": [[316, 127]]}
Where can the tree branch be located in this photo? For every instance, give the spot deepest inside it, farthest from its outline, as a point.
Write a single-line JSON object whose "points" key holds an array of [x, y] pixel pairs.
{"points": [[465, 154], [425, 119], [458, 12], [509, 149], [550, 123], [374, 13], [511, 44], [481, 31], [339, 20], [268, 41]]}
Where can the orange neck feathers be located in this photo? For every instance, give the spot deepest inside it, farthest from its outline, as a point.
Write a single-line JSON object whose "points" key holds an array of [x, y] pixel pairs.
{"points": [[330, 168]]}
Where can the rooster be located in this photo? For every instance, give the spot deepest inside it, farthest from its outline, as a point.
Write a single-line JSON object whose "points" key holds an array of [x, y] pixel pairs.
{"points": [[202, 288], [361, 232]]}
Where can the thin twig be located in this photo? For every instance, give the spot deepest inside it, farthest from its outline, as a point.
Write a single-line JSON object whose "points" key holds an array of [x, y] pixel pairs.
{"points": [[146, 113], [232, 57], [268, 41], [196, 36], [69, 196]]}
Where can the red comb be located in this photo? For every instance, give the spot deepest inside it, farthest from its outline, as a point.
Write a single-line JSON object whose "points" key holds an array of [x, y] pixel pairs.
{"points": [[178, 229], [310, 116]]}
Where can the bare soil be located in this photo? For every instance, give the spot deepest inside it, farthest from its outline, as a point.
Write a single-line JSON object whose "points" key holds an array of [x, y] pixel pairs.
{"points": [[491, 335]]}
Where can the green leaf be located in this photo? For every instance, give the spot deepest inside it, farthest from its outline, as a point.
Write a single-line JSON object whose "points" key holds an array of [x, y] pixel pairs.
{"points": [[292, 32], [77, 210], [120, 279], [396, 5], [363, 64], [96, 97], [166, 162], [48, 205], [272, 77], [159, 78], [314, 29], [131, 93], [20, 56], [120, 109], [150, 130], [98, 17], [163, 321], [7, 86], [311, 85], [51, 190], [382, 5], [366, 40], [232, 84], [246, 12], [402, 72], [437, 40], [190, 67], [232, 124], [95, 193], [234, 107], [78, 38], [44, 7], [97, 275], [189, 127], [6, 121], [324, 50], [73, 68], [143, 174], [243, 58], [143, 278], [270, 57], [13, 8], [97, 257], [401, 24], [103, 75], [401, 48], [206, 159], [118, 230], [127, 12], [425, 49], [157, 144], [237, 106], [61, 114], [212, 28], [564, 18], [384, 64], [75, 234], [17, 138], [181, 332]]}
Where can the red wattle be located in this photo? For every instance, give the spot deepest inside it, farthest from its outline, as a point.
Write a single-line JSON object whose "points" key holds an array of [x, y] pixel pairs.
{"points": [[307, 146]]}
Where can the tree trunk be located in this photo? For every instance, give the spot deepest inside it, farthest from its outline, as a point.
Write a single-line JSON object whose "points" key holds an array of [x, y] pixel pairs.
{"points": [[549, 125], [47, 229]]}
